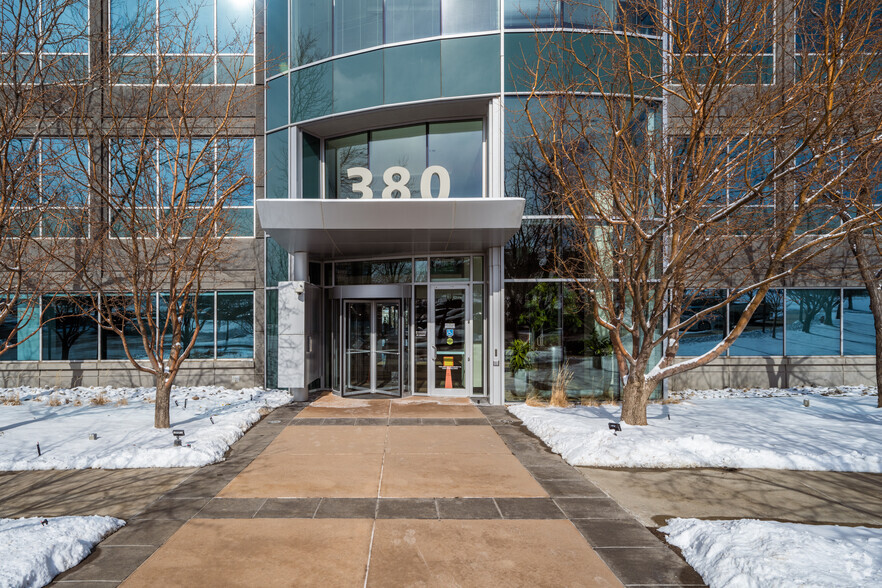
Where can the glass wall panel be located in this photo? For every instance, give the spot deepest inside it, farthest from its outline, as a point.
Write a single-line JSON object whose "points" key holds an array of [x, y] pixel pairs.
{"points": [[310, 30], [396, 271], [358, 24], [235, 325], [599, 14], [450, 269], [277, 164], [478, 268], [404, 147], [69, 30], [469, 16], [111, 343], [812, 322], [276, 263], [533, 338], [204, 346], [27, 336], [764, 334], [459, 146], [527, 14], [69, 335], [588, 353], [709, 330], [470, 66], [527, 253], [272, 339], [277, 103], [235, 25], [421, 333], [276, 37], [132, 25], [421, 270], [412, 19], [478, 339], [358, 81], [311, 167], [186, 27], [414, 72], [859, 334], [311, 92], [341, 156]]}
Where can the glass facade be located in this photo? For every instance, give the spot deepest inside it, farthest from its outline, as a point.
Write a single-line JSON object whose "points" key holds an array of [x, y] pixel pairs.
{"points": [[438, 160]]}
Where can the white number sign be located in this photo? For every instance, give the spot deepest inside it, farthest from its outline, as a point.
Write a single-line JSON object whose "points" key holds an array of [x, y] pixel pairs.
{"points": [[396, 179]]}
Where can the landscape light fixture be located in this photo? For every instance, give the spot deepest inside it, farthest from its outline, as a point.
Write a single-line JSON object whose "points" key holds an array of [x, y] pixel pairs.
{"points": [[806, 403], [178, 433], [93, 436], [615, 427], [39, 453]]}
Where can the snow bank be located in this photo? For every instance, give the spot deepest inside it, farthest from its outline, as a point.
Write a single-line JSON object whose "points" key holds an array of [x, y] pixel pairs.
{"points": [[61, 421], [31, 553], [834, 433], [748, 553]]}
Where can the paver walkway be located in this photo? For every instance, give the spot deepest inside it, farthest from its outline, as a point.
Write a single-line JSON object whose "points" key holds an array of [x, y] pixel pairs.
{"points": [[384, 493]]}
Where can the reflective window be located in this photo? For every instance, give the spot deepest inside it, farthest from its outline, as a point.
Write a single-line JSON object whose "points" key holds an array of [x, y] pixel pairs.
{"points": [[859, 332], [124, 318], [234, 26], [358, 24], [526, 14], [527, 253], [764, 334], [277, 37], [272, 339], [469, 16], [813, 318], [354, 273], [277, 103], [311, 92], [470, 66], [412, 19], [311, 167], [277, 164], [709, 330], [69, 334], [64, 174], [203, 316], [358, 81], [311, 29], [276, 263], [459, 146], [414, 72], [21, 328], [440, 160], [235, 325], [450, 269]]}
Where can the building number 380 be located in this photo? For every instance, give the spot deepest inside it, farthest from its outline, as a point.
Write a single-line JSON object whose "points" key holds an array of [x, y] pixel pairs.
{"points": [[396, 178]]}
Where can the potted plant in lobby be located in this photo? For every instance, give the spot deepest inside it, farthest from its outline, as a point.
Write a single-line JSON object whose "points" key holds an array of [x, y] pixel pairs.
{"points": [[519, 362]]}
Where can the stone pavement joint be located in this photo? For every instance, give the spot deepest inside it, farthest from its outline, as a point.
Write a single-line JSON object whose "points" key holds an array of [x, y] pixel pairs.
{"points": [[378, 493]]}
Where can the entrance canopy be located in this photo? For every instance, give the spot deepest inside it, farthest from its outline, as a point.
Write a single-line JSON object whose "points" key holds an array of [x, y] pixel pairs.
{"points": [[330, 229]]}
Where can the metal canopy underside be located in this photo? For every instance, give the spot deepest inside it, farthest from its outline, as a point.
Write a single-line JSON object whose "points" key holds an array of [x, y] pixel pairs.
{"points": [[330, 229]]}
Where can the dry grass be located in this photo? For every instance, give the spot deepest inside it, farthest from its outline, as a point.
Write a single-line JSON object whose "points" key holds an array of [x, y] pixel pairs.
{"points": [[54, 400], [122, 402], [150, 400], [671, 401], [100, 400], [195, 398], [11, 400], [534, 399], [78, 402], [562, 380]]}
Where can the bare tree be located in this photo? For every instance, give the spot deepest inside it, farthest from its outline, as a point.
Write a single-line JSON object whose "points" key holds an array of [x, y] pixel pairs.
{"points": [[693, 148], [168, 163]]}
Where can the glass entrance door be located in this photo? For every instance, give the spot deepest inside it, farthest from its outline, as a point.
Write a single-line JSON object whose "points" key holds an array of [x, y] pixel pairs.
{"points": [[450, 356], [372, 347]]}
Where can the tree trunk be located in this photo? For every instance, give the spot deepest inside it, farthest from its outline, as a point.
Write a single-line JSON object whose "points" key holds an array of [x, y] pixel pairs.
{"points": [[878, 325], [161, 416], [634, 398], [856, 241]]}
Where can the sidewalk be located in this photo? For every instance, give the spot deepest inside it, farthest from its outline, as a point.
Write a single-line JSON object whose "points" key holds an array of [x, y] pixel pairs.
{"points": [[384, 493]]}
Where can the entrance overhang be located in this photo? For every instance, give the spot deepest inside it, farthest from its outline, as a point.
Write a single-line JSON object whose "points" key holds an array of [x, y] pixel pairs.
{"points": [[329, 229]]}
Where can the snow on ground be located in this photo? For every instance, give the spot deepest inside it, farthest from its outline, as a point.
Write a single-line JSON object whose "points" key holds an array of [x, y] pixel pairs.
{"points": [[748, 553], [32, 553], [723, 429], [62, 420]]}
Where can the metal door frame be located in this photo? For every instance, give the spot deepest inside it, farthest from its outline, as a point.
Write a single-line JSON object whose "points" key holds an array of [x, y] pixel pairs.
{"points": [[467, 343], [344, 382]]}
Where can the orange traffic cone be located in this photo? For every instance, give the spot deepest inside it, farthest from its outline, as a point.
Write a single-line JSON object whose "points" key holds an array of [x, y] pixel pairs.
{"points": [[448, 381]]}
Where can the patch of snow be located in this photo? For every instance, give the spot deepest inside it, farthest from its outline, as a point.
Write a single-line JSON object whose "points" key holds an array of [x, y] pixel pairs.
{"points": [[773, 392], [62, 420], [753, 553], [720, 428], [32, 553]]}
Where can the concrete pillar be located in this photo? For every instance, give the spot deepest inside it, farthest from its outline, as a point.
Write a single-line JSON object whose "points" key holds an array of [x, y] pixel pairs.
{"points": [[296, 360]]}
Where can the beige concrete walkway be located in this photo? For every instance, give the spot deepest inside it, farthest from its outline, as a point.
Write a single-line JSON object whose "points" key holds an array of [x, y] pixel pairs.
{"points": [[379, 461]]}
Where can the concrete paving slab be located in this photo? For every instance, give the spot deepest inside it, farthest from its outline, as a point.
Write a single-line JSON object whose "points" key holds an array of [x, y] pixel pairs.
{"points": [[108, 563], [483, 553], [456, 475], [407, 508], [296, 441], [453, 408], [346, 508], [449, 439], [288, 508], [179, 509], [649, 566], [143, 532], [332, 406], [595, 507], [529, 508], [307, 476], [467, 508], [260, 552], [230, 508], [654, 496], [615, 533], [116, 493]]}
